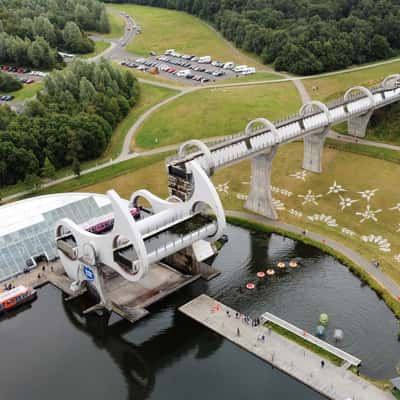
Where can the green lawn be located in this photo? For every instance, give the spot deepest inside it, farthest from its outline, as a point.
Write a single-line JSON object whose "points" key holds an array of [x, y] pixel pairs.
{"points": [[304, 343], [26, 92], [216, 112], [117, 26], [258, 76], [334, 86], [163, 29], [149, 95], [99, 47]]}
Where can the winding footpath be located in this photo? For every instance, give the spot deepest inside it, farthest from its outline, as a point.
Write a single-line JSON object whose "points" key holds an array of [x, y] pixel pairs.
{"points": [[116, 49]]}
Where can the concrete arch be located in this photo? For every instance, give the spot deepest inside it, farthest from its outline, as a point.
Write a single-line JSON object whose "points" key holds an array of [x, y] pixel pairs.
{"points": [[202, 147], [361, 89], [391, 82], [317, 104], [268, 124]]}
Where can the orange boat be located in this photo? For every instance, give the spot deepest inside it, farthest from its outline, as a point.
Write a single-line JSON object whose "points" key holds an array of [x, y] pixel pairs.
{"points": [[13, 298]]}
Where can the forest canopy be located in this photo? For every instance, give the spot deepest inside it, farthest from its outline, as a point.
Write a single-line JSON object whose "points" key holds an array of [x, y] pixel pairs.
{"points": [[33, 31], [303, 36], [71, 120]]}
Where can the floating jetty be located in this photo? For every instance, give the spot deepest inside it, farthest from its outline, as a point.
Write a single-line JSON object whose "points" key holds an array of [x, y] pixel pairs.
{"points": [[302, 364]]}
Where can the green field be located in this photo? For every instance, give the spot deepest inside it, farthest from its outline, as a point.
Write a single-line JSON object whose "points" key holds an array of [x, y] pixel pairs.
{"points": [[26, 92], [216, 112], [117, 26], [149, 96], [163, 29], [334, 86]]}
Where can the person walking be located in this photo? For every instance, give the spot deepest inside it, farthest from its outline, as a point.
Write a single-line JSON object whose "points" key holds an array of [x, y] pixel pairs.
{"points": [[238, 332], [322, 363]]}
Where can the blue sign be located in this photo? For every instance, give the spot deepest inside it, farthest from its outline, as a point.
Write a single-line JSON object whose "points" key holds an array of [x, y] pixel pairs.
{"points": [[88, 272]]}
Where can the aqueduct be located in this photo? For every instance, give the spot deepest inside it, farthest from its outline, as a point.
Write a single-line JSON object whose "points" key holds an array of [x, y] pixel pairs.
{"points": [[177, 229]]}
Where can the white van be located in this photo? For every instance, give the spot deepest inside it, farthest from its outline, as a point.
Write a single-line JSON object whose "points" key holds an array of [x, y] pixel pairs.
{"points": [[229, 65], [183, 72], [204, 60], [240, 68], [249, 71]]}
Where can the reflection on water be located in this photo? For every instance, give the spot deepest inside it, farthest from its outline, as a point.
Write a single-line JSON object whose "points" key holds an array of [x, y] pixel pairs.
{"points": [[53, 351]]}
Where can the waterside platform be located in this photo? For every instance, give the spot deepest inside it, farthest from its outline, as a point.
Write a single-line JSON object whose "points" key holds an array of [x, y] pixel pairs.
{"points": [[302, 364], [130, 299]]}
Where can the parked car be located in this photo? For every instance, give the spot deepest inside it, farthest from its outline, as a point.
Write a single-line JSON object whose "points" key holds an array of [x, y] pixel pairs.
{"points": [[240, 68], [170, 51], [204, 60], [29, 81], [205, 80], [249, 71]]}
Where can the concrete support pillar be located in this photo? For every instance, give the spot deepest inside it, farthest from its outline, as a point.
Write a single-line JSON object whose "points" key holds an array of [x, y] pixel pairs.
{"points": [[358, 126], [313, 150], [260, 197]]}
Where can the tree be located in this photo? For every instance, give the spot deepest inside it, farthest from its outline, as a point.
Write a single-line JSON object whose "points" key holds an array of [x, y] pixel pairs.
{"points": [[32, 182], [76, 167], [379, 48], [48, 169], [87, 92], [72, 36]]}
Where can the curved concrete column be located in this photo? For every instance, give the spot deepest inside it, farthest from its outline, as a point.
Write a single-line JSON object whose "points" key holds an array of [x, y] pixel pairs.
{"points": [[202, 147], [314, 143], [265, 122], [357, 126], [391, 82], [361, 89], [315, 104], [259, 199]]}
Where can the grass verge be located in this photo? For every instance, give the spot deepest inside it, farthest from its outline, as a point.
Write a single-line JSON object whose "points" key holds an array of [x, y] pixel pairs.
{"points": [[26, 92], [117, 26], [370, 151], [99, 47], [102, 175], [304, 343]]}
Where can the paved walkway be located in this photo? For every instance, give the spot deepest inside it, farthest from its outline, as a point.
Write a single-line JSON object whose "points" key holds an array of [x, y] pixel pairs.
{"points": [[301, 333], [302, 364], [384, 280]]}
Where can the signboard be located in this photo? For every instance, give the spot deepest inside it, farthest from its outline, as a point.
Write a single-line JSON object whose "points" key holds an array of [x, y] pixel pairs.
{"points": [[88, 272]]}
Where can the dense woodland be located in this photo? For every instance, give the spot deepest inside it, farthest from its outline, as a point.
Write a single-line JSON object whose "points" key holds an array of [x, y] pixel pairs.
{"points": [[71, 120], [32, 31], [303, 36]]}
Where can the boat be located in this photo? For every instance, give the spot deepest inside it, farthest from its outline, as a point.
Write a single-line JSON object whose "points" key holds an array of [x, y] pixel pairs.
{"points": [[13, 298]]}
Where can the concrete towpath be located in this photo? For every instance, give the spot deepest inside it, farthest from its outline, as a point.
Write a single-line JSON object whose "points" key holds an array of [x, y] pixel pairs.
{"points": [[332, 381], [383, 279]]}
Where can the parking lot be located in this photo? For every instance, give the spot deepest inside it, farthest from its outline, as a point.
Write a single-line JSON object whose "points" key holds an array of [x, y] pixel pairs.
{"points": [[26, 76], [188, 68]]}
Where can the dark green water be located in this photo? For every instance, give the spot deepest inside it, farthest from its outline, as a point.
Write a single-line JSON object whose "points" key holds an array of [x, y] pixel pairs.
{"points": [[49, 351]]}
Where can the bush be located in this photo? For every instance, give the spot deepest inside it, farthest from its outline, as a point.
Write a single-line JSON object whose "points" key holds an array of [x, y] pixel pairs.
{"points": [[9, 83]]}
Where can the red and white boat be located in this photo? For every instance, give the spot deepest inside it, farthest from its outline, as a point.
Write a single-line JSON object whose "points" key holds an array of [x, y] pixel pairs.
{"points": [[13, 298]]}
